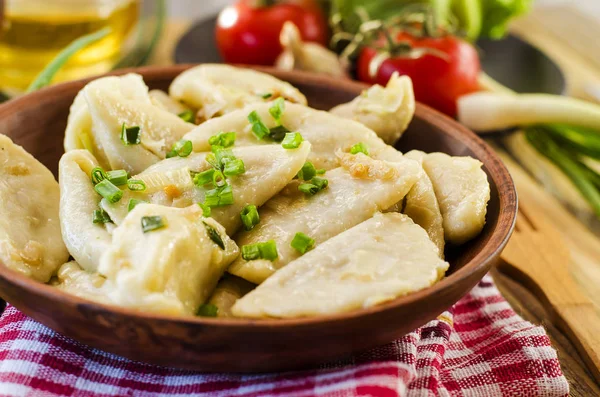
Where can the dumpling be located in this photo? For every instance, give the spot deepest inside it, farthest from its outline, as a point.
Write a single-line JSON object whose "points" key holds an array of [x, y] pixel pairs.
{"points": [[310, 57], [217, 89], [422, 206], [228, 291], [357, 190], [85, 240], [72, 279], [268, 170], [30, 239], [166, 260], [462, 190], [162, 100], [386, 110], [116, 101], [379, 260], [326, 132]]}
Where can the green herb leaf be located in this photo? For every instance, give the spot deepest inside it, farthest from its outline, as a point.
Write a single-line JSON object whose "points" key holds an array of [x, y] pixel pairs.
{"points": [[222, 139], [187, 116], [204, 177], [321, 183], [208, 310], [266, 250], [277, 109], [130, 135], [109, 191], [117, 177], [136, 185], [234, 167], [307, 172], [292, 140], [47, 74], [98, 175], [133, 202], [214, 235], [258, 127], [219, 196], [359, 148], [150, 223], [250, 217], [309, 189], [181, 148], [205, 210], [302, 243], [100, 216]]}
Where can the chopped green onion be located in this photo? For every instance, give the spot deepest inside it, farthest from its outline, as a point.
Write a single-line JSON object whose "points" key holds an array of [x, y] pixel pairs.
{"points": [[208, 310], [278, 133], [250, 217], [234, 167], [321, 171], [266, 250], [214, 235], [136, 185], [277, 109], [204, 177], [100, 216], [212, 160], [109, 191], [359, 148], [302, 243], [258, 127], [205, 210], [309, 189], [292, 140], [181, 148], [307, 172], [219, 196], [150, 223], [187, 116], [133, 202], [117, 177], [98, 175], [131, 135], [321, 183], [218, 179], [224, 156], [265, 96], [223, 139]]}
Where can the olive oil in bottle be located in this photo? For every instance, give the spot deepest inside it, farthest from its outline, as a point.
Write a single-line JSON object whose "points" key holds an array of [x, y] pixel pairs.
{"points": [[32, 32]]}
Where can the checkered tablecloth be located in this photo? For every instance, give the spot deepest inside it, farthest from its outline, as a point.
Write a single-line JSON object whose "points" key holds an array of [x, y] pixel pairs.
{"points": [[480, 347]]}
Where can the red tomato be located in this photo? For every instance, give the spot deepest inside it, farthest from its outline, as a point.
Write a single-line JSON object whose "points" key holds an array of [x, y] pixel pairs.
{"points": [[249, 34], [438, 82]]}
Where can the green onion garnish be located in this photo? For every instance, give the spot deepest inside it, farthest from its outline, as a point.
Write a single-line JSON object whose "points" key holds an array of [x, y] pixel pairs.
{"points": [[359, 148], [307, 172], [266, 250], [212, 160], [187, 116], [223, 139], [133, 202], [181, 148], [277, 109], [309, 189], [219, 196], [205, 210], [321, 171], [214, 235], [100, 216], [292, 140], [321, 183], [136, 185], [258, 127], [204, 177], [249, 217], [302, 243], [234, 167], [98, 175], [117, 177], [218, 179], [109, 191], [208, 310], [278, 133], [223, 156], [150, 223], [131, 135], [265, 96]]}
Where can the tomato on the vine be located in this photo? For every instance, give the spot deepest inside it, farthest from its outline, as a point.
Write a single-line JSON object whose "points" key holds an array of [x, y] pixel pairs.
{"points": [[248, 31], [438, 80]]}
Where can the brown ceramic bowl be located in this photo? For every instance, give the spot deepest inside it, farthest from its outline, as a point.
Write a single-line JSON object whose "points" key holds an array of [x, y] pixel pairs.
{"points": [[37, 122]]}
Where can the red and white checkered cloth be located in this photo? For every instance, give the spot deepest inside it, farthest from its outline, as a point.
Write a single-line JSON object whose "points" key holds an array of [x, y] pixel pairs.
{"points": [[480, 347]]}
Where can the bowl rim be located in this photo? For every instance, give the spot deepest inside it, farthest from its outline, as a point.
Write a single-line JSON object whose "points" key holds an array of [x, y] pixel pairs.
{"points": [[507, 197]]}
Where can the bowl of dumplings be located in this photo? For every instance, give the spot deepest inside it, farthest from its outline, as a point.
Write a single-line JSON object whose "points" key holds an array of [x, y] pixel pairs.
{"points": [[221, 218]]}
